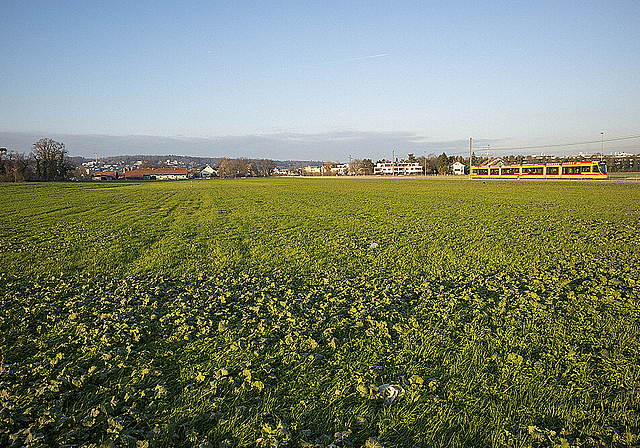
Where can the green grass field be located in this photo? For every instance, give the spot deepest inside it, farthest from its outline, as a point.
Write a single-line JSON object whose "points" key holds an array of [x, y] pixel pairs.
{"points": [[632, 175], [268, 312]]}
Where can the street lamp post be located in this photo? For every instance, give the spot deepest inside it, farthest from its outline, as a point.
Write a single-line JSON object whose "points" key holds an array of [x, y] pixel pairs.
{"points": [[602, 147]]}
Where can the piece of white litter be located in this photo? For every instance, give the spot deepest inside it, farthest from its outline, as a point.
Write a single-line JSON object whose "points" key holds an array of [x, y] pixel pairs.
{"points": [[390, 393], [373, 245]]}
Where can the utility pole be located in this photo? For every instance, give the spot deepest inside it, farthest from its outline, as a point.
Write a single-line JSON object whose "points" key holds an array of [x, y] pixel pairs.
{"points": [[393, 163], [425, 162], [470, 140], [602, 147]]}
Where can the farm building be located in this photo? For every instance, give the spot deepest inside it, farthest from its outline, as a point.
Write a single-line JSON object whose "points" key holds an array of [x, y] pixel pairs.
{"points": [[493, 161], [104, 175], [157, 174]]}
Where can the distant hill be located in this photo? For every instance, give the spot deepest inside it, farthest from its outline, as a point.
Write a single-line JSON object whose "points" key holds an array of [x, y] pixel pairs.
{"points": [[183, 160]]}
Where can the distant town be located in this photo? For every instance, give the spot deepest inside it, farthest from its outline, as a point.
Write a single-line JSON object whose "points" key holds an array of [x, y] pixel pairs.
{"points": [[49, 160], [176, 168]]}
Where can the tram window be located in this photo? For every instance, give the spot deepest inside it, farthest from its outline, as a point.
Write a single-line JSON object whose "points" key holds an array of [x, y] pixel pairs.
{"points": [[474, 171], [552, 170], [483, 171], [495, 171], [586, 169], [570, 170]]}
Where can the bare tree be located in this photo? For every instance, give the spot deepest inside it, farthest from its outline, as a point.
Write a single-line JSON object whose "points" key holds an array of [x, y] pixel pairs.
{"points": [[251, 169], [327, 168], [4, 163], [147, 164], [361, 167], [225, 169], [80, 173], [14, 167], [232, 168], [50, 159], [354, 166], [19, 167], [265, 167], [366, 167]]}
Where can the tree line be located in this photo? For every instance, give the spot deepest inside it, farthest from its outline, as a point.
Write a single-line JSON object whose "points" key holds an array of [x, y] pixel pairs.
{"points": [[232, 168], [358, 167], [48, 161]]}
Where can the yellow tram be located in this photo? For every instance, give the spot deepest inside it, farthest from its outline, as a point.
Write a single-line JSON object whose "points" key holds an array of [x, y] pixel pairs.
{"points": [[566, 170]]}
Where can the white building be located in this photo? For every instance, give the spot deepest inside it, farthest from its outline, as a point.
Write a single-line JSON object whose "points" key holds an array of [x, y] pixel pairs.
{"points": [[340, 169], [207, 172], [312, 170], [398, 168], [458, 168]]}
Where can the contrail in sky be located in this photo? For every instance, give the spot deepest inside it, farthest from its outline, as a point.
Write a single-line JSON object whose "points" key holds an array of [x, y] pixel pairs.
{"points": [[367, 57], [318, 64]]}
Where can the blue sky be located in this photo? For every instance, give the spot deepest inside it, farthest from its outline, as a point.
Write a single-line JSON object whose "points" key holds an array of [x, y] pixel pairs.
{"points": [[291, 79]]}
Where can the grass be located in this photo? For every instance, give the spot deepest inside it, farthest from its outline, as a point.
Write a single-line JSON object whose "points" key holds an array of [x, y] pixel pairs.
{"points": [[625, 175], [267, 312]]}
